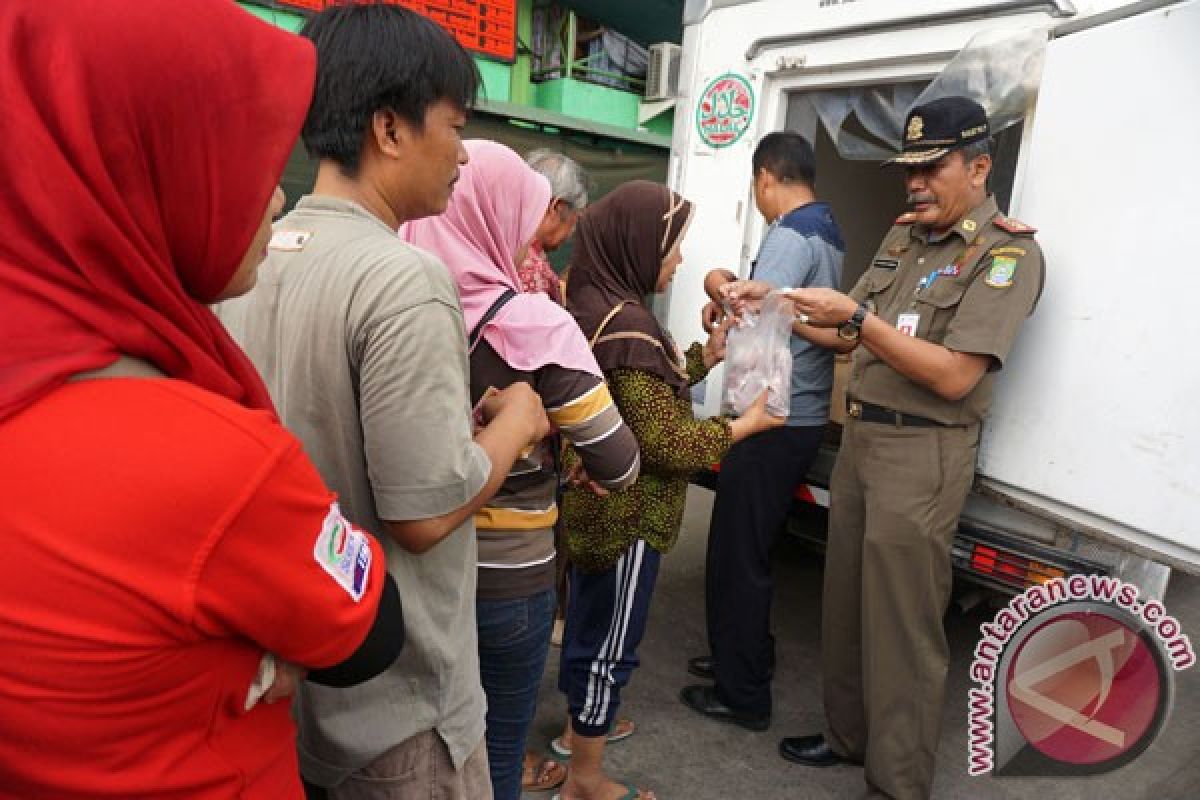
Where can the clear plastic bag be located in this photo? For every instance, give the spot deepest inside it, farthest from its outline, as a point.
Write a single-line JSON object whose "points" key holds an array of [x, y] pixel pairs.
{"points": [[759, 356]]}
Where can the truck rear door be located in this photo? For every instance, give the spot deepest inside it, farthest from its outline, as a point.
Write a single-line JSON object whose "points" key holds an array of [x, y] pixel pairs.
{"points": [[1097, 421]]}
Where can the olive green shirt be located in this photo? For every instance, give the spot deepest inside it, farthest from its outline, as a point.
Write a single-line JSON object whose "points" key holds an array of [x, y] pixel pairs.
{"points": [[674, 445], [989, 278], [360, 339]]}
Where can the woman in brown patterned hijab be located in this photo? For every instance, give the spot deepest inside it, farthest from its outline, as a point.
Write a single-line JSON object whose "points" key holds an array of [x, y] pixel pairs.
{"points": [[620, 246], [628, 246]]}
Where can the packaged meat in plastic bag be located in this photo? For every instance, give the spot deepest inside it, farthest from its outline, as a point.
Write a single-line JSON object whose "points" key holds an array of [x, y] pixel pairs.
{"points": [[759, 356]]}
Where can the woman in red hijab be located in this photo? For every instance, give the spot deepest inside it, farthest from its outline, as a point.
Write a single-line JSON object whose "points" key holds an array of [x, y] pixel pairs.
{"points": [[165, 539]]}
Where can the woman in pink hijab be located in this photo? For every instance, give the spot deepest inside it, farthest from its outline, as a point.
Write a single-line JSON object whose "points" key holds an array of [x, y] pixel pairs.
{"points": [[482, 237]]}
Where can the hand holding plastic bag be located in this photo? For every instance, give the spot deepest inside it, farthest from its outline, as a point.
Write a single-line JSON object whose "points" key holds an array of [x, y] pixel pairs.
{"points": [[758, 356]]}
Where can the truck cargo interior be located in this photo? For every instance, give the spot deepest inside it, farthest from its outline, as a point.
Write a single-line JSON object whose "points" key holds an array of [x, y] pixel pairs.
{"points": [[864, 196]]}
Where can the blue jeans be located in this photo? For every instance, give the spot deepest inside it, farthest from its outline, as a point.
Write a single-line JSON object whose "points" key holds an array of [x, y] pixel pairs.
{"points": [[514, 637]]}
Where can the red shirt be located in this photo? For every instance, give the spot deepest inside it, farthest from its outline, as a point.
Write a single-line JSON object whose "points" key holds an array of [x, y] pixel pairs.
{"points": [[158, 539]]}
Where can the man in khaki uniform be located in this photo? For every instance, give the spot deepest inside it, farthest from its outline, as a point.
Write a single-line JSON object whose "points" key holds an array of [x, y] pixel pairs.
{"points": [[936, 314]]}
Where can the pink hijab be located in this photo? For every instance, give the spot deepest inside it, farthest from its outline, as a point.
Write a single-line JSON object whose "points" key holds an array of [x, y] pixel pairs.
{"points": [[495, 209]]}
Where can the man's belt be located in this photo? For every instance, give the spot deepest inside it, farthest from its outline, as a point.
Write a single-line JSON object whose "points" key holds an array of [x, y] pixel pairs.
{"points": [[869, 412]]}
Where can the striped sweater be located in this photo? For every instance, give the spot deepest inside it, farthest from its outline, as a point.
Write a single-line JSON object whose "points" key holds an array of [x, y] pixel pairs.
{"points": [[516, 528]]}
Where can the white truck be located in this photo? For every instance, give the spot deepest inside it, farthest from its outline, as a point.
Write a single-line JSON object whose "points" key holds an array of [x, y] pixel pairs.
{"points": [[1090, 458]]}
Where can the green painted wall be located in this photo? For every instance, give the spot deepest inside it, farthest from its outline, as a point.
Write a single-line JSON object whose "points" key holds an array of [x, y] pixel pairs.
{"points": [[664, 123], [589, 101], [522, 88], [497, 80]]}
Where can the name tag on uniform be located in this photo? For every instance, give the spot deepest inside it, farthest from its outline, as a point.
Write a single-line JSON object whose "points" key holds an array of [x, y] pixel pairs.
{"points": [[289, 241], [908, 323], [885, 263]]}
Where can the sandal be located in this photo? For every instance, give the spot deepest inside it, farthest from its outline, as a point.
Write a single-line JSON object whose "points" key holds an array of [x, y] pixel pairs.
{"points": [[541, 774], [631, 793], [621, 730]]}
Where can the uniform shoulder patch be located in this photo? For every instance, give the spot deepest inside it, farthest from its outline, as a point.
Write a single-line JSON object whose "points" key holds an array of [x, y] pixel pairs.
{"points": [[1001, 273], [343, 552], [907, 218], [1011, 225]]}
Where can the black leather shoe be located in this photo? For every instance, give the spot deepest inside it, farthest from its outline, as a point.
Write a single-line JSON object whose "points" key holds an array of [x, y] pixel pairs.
{"points": [[703, 700], [702, 667], [811, 751], [705, 667]]}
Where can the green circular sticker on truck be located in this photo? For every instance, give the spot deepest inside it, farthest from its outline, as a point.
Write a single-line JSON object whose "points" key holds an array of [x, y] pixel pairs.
{"points": [[725, 110]]}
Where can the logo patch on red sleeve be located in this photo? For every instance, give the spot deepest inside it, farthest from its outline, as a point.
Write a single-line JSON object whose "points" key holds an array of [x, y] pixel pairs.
{"points": [[344, 553]]}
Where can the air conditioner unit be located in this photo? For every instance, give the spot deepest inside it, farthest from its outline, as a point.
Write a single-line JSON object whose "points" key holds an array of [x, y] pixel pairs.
{"points": [[662, 74]]}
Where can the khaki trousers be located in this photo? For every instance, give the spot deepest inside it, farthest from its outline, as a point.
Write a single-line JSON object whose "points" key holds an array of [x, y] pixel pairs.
{"points": [[419, 768], [896, 495]]}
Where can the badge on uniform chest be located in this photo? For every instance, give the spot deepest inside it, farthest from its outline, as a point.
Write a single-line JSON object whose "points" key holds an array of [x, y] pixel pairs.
{"points": [[908, 323], [927, 281]]}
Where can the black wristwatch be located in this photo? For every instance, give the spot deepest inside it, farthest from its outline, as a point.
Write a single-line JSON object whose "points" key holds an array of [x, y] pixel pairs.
{"points": [[851, 329]]}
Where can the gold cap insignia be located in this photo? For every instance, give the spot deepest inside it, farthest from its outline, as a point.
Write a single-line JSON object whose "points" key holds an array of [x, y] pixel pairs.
{"points": [[969, 225], [916, 129]]}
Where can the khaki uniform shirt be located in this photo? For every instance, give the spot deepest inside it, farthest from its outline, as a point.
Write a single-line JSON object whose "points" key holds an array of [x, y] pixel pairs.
{"points": [[361, 341], [991, 276]]}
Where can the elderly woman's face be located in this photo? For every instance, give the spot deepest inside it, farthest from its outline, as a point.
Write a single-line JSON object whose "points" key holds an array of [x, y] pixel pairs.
{"points": [[244, 278], [557, 226]]}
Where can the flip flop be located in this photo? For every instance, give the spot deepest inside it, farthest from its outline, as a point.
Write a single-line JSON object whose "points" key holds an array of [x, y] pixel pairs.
{"points": [[621, 730], [554, 773], [631, 793]]}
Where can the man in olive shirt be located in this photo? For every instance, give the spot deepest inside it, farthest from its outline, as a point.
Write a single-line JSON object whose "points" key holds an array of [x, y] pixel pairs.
{"points": [[936, 314], [360, 339]]}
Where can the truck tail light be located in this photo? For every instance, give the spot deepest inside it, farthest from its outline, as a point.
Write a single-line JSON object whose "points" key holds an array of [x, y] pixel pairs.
{"points": [[1010, 568]]}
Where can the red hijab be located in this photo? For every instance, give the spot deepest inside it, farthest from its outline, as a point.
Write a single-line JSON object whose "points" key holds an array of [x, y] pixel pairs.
{"points": [[140, 142]]}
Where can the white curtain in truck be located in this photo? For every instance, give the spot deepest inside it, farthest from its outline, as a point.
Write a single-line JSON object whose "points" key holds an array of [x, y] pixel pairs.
{"points": [[999, 69]]}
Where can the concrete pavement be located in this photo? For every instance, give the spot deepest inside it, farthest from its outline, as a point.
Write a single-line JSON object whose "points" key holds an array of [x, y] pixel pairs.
{"points": [[682, 756]]}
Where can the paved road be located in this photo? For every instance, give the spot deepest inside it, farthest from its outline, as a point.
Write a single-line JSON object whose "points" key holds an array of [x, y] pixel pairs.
{"points": [[685, 757]]}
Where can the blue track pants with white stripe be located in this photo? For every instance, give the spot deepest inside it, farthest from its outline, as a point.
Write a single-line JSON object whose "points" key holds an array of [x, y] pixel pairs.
{"points": [[606, 618]]}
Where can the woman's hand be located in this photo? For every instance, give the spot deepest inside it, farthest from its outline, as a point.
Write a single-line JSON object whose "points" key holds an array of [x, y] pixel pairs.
{"points": [[759, 418], [711, 316], [756, 420], [714, 348], [577, 478], [520, 403], [745, 296]]}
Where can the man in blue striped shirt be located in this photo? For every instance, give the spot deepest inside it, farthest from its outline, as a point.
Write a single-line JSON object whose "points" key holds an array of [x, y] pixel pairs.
{"points": [[802, 248]]}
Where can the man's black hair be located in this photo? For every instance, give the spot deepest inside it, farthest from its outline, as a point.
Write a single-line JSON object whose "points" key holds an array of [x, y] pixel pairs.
{"points": [[788, 156], [372, 57]]}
